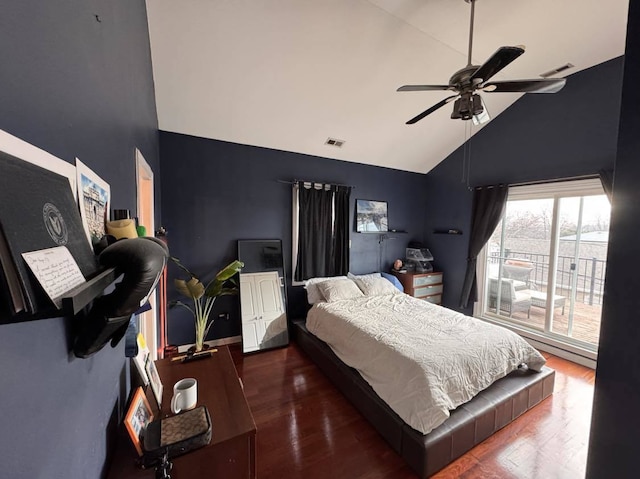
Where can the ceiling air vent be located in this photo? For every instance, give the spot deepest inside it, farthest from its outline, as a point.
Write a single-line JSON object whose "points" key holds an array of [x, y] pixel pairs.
{"points": [[555, 71], [334, 142]]}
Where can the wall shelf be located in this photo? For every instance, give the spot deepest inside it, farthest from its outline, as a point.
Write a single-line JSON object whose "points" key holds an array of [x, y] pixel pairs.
{"points": [[73, 300], [76, 299]]}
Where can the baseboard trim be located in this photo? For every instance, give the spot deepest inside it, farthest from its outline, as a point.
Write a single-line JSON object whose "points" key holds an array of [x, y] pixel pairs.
{"points": [[550, 345], [562, 353]]}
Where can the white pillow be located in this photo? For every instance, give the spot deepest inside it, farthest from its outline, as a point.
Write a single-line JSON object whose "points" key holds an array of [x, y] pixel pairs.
{"points": [[358, 276], [338, 289], [313, 293], [374, 286]]}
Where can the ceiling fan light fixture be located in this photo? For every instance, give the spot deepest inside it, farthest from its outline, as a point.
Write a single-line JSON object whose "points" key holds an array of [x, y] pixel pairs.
{"points": [[458, 105], [467, 106], [483, 117], [476, 105]]}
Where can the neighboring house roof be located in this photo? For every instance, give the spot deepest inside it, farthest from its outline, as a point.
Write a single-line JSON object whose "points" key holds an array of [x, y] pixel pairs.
{"points": [[591, 237]]}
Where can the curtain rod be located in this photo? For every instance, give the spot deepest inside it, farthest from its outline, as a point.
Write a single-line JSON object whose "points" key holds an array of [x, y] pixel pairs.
{"points": [[541, 182], [314, 182], [557, 180]]}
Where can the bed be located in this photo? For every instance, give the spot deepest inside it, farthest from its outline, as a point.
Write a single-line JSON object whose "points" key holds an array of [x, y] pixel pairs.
{"points": [[400, 341]]}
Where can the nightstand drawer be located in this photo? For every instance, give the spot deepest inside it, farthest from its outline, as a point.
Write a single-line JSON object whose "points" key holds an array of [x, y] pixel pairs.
{"points": [[427, 279], [435, 299], [427, 290], [422, 285]]}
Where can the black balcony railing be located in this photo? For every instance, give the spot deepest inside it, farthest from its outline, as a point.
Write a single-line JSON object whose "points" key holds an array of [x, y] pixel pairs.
{"points": [[589, 280]]}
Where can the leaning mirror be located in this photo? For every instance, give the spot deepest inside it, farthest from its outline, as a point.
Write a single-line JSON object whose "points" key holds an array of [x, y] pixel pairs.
{"points": [[262, 295]]}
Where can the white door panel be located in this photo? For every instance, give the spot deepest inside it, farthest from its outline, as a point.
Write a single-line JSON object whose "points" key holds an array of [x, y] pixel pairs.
{"points": [[250, 335], [261, 304]]}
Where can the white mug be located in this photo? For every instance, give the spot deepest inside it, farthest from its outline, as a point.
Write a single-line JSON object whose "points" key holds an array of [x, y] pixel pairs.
{"points": [[185, 395]]}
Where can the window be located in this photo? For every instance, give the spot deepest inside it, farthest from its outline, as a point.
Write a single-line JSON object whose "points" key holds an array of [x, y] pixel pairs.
{"points": [[543, 269]]}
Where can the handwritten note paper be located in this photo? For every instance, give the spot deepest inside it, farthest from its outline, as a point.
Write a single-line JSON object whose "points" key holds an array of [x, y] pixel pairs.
{"points": [[56, 270]]}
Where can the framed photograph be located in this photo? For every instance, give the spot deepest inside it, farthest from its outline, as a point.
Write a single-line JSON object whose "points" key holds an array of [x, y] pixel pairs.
{"points": [[371, 216], [138, 417], [154, 380], [94, 197], [140, 360]]}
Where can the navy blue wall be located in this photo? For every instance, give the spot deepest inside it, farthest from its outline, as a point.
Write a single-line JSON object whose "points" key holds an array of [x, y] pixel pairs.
{"points": [[613, 445], [215, 193], [540, 137], [73, 86]]}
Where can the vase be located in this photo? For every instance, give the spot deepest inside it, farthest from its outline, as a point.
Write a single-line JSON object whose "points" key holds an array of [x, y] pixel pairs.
{"points": [[194, 349]]}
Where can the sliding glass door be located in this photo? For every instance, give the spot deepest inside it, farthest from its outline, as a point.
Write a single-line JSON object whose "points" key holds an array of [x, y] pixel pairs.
{"points": [[582, 252], [545, 263]]}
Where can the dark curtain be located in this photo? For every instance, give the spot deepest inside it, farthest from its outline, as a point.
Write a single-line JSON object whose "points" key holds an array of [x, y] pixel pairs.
{"points": [[341, 247], [315, 233], [488, 207], [606, 178]]}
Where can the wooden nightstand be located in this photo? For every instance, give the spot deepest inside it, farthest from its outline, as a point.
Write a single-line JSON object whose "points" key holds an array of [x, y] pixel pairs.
{"points": [[427, 286]]}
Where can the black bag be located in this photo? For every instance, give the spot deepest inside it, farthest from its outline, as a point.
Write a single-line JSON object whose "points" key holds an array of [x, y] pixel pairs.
{"points": [[176, 435]]}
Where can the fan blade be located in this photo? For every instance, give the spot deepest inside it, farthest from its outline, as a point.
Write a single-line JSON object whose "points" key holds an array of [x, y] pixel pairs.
{"points": [[526, 86], [500, 59], [425, 87], [431, 110]]}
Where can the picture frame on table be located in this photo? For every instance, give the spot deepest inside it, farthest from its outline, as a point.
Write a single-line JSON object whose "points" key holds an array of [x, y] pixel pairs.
{"points": [[138, 417], [154, 380]]}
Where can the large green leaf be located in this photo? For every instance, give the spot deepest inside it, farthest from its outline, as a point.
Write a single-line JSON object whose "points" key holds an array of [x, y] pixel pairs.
{"points": [[230, 270], [218, 284], [182, 267], [191, 289]]}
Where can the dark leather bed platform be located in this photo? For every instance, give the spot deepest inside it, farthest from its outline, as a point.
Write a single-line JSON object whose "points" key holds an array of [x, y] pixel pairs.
{"points": [[469, 424]]}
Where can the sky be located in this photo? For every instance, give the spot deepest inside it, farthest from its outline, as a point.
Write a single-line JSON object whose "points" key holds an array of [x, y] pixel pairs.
{"points": [[595, 207]]}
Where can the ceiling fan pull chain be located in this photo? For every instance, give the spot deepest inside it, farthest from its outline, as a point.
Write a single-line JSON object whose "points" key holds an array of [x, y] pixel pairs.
{"points": [[466, 156], [469, 128]]}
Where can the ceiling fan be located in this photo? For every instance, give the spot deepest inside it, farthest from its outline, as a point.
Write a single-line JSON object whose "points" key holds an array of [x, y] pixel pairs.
{"points": [[472, 78]]}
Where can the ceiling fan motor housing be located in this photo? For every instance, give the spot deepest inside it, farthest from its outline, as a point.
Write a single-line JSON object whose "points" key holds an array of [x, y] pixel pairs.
{"points": [[465, 107], [462, 79]]}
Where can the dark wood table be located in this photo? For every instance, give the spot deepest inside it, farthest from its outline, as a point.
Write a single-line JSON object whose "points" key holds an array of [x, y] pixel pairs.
{"points": [[232, 451]]}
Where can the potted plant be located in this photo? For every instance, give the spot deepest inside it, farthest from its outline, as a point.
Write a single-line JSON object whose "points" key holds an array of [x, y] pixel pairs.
{"points": [[205, 296]]}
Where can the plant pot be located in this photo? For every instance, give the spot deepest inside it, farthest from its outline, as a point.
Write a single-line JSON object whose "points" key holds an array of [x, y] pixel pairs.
{"points": [[192, 349]]}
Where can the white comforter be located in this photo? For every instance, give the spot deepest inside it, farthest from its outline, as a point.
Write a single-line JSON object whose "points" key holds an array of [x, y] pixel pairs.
{"points": [[423, 360]]}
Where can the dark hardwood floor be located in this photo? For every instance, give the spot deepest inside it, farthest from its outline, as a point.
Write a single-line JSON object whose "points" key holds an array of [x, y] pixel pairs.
{"points": [[307, 429]]}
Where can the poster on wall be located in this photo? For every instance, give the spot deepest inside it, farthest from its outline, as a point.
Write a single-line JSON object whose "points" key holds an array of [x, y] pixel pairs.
{"points": [[371, 216], [94, 199]]}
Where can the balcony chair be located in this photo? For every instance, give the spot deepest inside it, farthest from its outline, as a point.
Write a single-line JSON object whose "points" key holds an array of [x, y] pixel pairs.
{"points": [[520, 272], [510, 299]]}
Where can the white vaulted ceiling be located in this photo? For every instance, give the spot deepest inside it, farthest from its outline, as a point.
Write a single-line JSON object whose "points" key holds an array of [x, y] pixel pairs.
{"points": [[288, 74]]}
